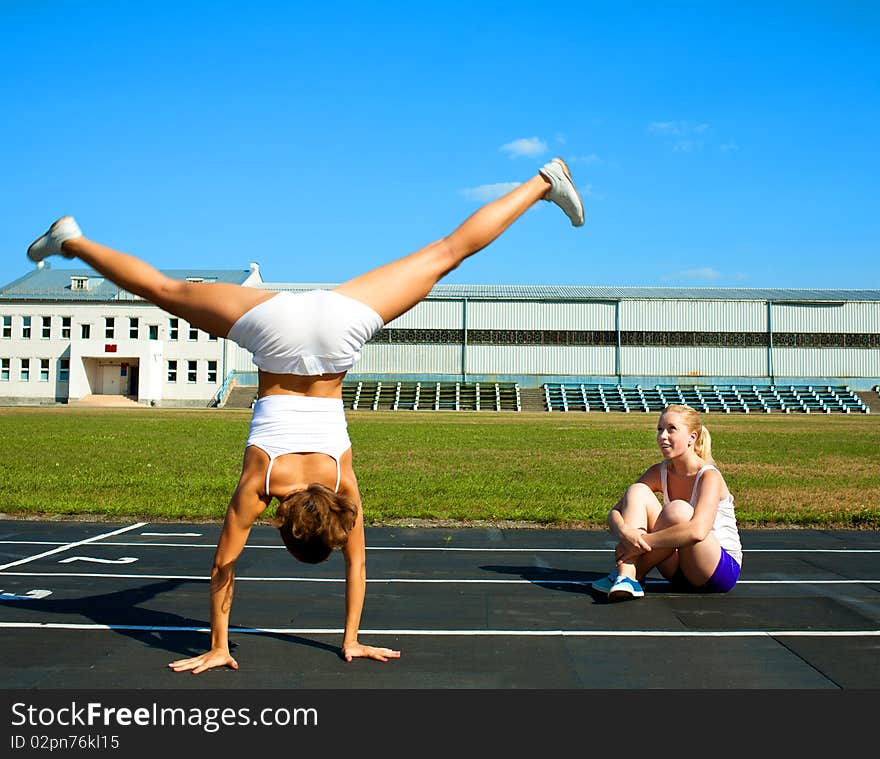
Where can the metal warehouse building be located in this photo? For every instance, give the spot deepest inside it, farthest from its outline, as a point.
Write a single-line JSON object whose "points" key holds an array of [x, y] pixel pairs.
{"points": [[533, 335], [67, 334]]}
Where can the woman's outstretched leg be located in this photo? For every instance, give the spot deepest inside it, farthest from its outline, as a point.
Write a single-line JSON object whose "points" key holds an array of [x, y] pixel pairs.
{"points": [[211, 306], [394, 288]]}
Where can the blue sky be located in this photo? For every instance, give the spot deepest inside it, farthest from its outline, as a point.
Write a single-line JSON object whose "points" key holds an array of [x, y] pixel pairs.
{"points": [[716, 144]]}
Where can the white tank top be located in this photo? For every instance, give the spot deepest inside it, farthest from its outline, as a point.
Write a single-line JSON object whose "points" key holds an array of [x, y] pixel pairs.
{"points": [[725, 520]]}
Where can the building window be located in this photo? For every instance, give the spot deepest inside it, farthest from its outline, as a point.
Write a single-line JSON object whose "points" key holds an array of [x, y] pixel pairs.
{"points": [[63, 369], [79, 283], [25, 327], [85, 331], [47, 327], [109, 327], [172, 329], [193, 332], [191, 371], [153, 331], [133, 328], [44, 370], [212, 338], [65, 327], [7, 326], [4, 370], [212, 371], [25, 370], [172, 371]]}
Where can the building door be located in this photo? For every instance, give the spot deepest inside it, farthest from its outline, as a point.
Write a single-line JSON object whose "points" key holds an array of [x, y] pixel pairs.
{"points": [[133, 380], [110, 380]]}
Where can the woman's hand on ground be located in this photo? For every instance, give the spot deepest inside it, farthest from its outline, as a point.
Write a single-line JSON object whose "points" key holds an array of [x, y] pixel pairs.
{"points": [[357, 650], [209, 660]]}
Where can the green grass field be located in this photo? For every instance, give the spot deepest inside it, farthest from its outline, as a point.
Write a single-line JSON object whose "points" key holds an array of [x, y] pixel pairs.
{"points": [[563, 470]]}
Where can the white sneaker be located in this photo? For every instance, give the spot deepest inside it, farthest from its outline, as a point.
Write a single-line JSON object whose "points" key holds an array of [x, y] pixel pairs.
{"points": [[562, 190], [50, 243]]}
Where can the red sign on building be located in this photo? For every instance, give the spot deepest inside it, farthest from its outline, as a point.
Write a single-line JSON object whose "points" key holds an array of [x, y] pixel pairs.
{"points": [[110, 348]]}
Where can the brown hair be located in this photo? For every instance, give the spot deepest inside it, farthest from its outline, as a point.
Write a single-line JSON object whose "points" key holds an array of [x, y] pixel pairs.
{"points": [[694, 423], [314, 521]]}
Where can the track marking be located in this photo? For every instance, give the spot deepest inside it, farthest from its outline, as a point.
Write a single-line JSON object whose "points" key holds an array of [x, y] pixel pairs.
{"points": [[468, 633], [172, 534], [430, 548], [410, 580], [93, 560], [68, 546]]}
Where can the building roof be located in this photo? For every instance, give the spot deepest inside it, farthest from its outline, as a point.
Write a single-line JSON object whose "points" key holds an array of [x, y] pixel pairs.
{"points": [[584, 292], [48, 284], [45, 283]]}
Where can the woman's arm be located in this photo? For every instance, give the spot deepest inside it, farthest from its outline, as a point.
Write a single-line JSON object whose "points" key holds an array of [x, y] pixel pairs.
{"points": [[245, 506], [700, 525], [355, 553]]}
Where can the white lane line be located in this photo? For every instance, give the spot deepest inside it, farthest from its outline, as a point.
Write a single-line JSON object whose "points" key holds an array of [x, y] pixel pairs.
{"points": [[172, 534], [68, 546], [438, 548], [411, 580], [469, 633]]}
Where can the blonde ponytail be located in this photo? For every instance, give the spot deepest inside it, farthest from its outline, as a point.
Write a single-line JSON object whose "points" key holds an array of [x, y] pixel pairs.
{"points": [[703, 445]]}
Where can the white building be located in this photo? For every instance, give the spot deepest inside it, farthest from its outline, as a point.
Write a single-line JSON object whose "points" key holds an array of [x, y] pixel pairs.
{"points": [[67, 334]]}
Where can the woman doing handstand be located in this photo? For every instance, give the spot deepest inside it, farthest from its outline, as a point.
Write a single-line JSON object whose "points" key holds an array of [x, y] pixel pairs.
{"points": [[298, 449]]}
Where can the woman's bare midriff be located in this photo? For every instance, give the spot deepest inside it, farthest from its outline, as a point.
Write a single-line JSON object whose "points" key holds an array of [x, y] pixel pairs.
{"points": [[320, 386]]}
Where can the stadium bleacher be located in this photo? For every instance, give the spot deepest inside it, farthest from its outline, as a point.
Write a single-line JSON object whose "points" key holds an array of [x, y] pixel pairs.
{"points": [[376, 395], [722, 399], [431, 396]]}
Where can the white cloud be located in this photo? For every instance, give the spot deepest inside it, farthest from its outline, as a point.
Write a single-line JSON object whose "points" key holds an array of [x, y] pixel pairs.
{"points": [[587, 191], [704, 274], [675, 128], [486, 192], [591, 158], [687, 146], [684, 130], [526, 147]]}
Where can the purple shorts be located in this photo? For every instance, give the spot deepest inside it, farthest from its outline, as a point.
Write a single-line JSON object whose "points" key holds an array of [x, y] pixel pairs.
{"points": [[723, 578]]}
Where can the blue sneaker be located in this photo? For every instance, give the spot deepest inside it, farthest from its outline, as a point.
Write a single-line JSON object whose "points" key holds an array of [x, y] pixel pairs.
{"points": [[604, 585], [624, 588]]}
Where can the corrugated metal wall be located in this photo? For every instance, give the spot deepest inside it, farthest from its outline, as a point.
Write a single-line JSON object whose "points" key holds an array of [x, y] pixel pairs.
{"points": [[649, 315], [693, 315], [431, 314], [540, 359], [409, 359], [539, 315], [820, 317], [826, 362], [695, 362]]}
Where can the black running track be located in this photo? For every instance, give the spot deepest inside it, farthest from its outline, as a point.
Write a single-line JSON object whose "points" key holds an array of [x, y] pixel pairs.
{"points": [[109, 605], [503, 644]]}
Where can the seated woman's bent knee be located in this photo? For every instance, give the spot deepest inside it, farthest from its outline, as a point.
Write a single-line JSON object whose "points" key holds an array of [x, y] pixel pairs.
{"points": [[639, 489], [679, 511]]}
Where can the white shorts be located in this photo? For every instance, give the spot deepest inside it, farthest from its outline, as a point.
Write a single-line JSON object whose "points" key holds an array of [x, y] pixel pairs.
{"points": [[310, 333]]}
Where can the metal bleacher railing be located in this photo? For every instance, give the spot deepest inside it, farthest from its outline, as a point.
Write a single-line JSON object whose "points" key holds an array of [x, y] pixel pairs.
{"points": [[724, 399], [431, 396]]}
